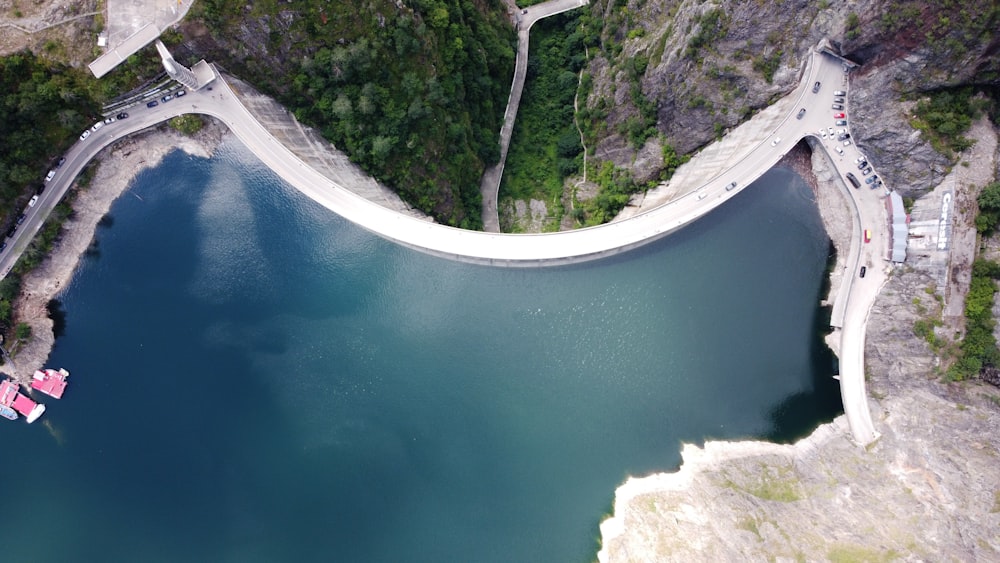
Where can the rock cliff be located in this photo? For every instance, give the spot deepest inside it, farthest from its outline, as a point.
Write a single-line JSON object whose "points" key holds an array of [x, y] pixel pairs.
{"points": [[704, 67]]}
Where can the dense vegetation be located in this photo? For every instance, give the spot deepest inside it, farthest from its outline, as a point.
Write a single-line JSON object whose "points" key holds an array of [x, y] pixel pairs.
{"points": [[545, 146], [414, 93], [979, 347], [43, 107], [946, 115]]}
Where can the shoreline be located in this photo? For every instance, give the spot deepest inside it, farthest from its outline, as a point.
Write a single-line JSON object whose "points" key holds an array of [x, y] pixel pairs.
{"points": [[117, 167]]}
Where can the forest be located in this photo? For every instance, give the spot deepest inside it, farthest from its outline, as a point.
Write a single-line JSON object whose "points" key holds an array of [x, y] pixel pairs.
{"points": [[414, 94]]}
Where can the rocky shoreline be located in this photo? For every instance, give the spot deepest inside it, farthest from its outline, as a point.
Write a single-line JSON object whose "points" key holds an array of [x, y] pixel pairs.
{"points": [[927, 489], [117, 166]]}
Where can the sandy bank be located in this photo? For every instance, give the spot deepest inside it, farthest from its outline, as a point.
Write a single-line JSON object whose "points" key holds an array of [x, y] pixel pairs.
{"points": [[117, 166]]}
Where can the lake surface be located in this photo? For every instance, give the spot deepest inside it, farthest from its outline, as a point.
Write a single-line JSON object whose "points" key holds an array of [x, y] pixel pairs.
{"points": [[256, 379]]}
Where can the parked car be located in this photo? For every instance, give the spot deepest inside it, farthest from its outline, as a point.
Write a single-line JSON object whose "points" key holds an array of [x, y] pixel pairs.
{"points": [[843, 136], [97, 126], [853, 180], [123, 115], [870, 180], [50, 175], [847, 143], [167, 98], [775, 142], [84, 135], [21, 218], [839, 115], [3, 245], [837, 106], [730, 186], [839, 93], [40, 189], [863, 270], [152, 104], [816, 87], [110, 120], [862, 165], [839, 150], [838, 100], [868, 235], [702, 194], [33, 201], [841, 123], [61, 162], [180, 93], [801, 114], [866, 171]]}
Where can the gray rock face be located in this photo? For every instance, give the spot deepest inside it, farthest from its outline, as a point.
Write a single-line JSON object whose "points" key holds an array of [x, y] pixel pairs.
{"points": [[707, 74]]}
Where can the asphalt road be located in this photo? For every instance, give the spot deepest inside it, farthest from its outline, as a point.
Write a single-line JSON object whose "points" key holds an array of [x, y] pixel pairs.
{"points": [[522, 250]]}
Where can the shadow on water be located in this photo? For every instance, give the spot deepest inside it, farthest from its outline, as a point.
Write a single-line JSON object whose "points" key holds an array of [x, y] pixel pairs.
{"points": [[58, 315], [797, 416]]}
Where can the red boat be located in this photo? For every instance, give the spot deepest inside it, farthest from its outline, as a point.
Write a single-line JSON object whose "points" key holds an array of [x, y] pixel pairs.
{"points": [[51, 382], [11, 397]]}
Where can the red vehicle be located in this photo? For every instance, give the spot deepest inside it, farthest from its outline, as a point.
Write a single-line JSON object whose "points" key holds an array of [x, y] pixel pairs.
{"points": [[839, 115], [868, 235]]}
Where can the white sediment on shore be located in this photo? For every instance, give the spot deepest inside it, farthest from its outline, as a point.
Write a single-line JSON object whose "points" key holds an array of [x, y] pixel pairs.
{"points": [[117, 167]]}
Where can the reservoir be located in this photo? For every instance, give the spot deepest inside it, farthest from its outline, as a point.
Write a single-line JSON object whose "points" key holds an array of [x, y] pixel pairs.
{"points": [[256, 379]]}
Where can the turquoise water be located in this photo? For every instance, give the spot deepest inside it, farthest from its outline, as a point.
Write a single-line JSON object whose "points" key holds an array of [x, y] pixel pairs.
{"points": [[255, 379]]}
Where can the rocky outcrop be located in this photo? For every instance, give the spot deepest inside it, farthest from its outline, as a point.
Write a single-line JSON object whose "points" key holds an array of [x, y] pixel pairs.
{"points": [[706, 67]]}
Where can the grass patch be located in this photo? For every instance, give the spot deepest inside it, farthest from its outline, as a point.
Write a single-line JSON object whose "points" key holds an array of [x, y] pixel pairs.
{"points": [[843, 553]]}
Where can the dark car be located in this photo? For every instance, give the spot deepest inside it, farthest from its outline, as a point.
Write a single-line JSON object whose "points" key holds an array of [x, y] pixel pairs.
{"points": [[801, 114], [863, 270], [61, 162], [866, 171], [854, 180], [123, 115], [153, 104], [870, 180], [21, 218], [11, 231], [815, 87], [837, 106], [40, 188], [167, 98], [838, 100], [3, 246], [862, 165]]}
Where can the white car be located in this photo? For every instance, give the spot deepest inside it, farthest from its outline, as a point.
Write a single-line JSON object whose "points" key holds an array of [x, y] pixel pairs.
{"points": [[97, 126], [775, 142], [839, 150], [702, 194], [822, 133], [84, 135], [50, 175], [829, 131], [110, 120], [847, 142], [33, 201]]}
